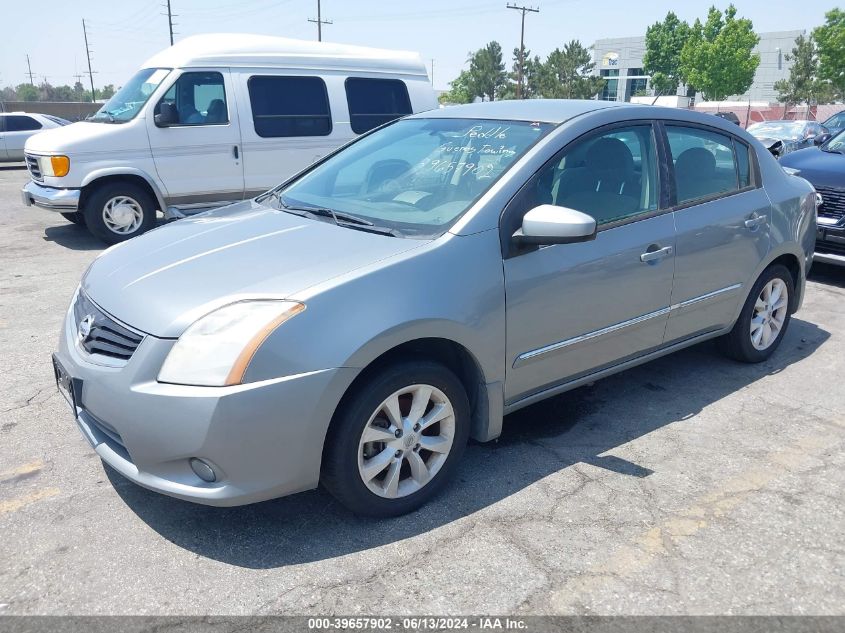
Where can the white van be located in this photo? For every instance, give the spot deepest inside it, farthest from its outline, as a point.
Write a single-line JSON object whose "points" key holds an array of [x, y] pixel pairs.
{"points": [[215, 119]]}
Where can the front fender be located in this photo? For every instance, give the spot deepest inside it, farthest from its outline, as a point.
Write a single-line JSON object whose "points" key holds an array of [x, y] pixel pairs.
{"points": [[97, 174]]}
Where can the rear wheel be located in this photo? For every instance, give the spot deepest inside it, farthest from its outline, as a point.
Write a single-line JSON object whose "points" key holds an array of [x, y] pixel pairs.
{"points": [[397, 440], [119, 211], [76, 217], [764, 319]]}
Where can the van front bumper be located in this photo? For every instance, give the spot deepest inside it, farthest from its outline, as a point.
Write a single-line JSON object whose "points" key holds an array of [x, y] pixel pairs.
{"points": [[66, 200], [263, 440]]}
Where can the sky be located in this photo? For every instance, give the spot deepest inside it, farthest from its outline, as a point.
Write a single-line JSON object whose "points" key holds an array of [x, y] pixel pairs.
{"points": [[122, 34]]}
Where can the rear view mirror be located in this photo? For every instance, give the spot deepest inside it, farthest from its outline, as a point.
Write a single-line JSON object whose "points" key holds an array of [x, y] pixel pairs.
{"points": [[167, 116], [550, 224], [821, 139]]}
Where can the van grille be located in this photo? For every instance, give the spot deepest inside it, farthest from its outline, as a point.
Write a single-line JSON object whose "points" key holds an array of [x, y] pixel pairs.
{"points": [[34, 169], [106, 336], [833, 202]]}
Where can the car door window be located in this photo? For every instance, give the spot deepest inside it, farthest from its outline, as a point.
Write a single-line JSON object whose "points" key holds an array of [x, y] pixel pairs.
{"points": [[704, 163], [20, 123], [289, 106], [199, 99]]}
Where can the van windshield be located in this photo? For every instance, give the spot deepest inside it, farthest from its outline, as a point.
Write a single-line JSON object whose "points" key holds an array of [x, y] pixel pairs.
{"points": [[416, 176], [129, 100]]}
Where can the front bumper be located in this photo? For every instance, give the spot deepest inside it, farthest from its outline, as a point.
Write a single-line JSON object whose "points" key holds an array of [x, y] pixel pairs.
{"points": [[830, 243], [51, 198], [264, 439]]}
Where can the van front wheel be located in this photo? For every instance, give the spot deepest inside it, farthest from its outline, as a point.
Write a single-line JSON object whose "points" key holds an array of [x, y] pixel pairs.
{"points": [[117, 212]]}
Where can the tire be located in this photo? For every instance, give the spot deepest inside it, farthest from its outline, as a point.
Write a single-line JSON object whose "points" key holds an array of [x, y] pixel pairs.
{"points": [[118, 211], [748, 346], [76, 217], [395, 488]]}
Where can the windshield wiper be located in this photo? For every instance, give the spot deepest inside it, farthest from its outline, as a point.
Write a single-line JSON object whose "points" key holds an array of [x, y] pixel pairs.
{"points": [[340, 218], [832, 151]]}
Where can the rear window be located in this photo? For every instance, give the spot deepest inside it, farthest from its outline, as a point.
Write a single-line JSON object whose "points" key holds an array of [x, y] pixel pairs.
{"points": [[18, 123], [373, 102], [289, 106]]}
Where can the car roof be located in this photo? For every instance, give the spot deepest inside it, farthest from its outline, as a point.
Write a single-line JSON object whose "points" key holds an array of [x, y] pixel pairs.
{"points": [[264, 51], [533, 110]]}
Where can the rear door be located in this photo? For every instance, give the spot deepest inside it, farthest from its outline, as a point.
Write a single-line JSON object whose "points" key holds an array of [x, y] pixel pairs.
{"points": [[722, 219], [19, 127], [199, 158]]}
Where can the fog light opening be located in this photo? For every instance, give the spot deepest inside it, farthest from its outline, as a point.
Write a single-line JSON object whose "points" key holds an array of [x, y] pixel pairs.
{"points": [[203, 470]]}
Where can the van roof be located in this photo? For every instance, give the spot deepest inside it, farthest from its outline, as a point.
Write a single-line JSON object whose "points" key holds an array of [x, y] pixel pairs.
{"points": [[264, 51]]}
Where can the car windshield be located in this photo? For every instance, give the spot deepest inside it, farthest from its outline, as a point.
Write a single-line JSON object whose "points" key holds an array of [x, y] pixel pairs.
{"points": [[836, 144], [778, 129], [416, 176], [129, 100]]}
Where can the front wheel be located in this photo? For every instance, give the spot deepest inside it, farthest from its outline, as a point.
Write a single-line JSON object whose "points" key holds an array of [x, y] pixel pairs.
{"points": [[765, 316], [119, 211], [76, 217], [397, 440]]}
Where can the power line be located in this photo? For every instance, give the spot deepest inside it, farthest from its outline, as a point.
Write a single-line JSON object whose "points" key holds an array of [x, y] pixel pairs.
{"points": [[521, 70], [320, 22], [29, 70], [88, 54]]}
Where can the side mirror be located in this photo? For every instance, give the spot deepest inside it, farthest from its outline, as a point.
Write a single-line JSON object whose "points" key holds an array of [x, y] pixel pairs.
{"points": [[821, 139], [167, 116], [550, 224]]}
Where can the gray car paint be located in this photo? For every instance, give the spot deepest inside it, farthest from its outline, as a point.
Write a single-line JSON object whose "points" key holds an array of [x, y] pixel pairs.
{"points": [[367, 294]]}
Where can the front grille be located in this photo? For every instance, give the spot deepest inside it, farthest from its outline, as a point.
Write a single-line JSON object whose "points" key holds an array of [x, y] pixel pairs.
{"points": [[833, 202], [34, 169], [105, 336], [830, 247]]}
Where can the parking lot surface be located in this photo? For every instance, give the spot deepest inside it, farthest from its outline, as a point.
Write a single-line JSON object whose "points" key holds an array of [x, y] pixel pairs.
{"points": [[691, 485]]}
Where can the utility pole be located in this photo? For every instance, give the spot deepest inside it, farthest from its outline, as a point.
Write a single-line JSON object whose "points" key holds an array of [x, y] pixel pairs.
{"points": [[521, 70], [88, 53], [29, 70], [320, 22], [170, 21]]}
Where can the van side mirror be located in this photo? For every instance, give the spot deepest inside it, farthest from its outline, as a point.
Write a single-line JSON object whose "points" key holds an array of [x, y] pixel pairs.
{"points": [[550, 224], [821, 139], [167, 116]]}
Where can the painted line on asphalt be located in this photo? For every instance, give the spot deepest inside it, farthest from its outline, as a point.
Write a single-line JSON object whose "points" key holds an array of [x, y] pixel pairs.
{"points": [[27, 469], [13, 505]]}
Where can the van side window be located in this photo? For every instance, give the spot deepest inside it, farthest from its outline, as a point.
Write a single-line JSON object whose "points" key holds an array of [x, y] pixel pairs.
{"points": [[704, 163], [289, 106], [373, 102], [199, 99]]}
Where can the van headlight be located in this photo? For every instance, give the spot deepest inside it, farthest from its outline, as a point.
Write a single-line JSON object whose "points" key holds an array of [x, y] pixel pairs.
{"points": [[55, 166], [216, 349]]}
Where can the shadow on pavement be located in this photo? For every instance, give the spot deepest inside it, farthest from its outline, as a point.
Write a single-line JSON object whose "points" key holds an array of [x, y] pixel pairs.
{"points": [[74, 237], [578, 426], [828, 274]]}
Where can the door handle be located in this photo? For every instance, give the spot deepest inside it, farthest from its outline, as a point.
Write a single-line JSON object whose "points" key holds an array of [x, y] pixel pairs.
{"points": [[653, 256], [753, 222], [235, 151]]}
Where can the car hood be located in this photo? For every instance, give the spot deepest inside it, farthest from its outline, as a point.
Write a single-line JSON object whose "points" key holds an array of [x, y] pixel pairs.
{"points": [[822, 169], [163, 281], [83, 136]]}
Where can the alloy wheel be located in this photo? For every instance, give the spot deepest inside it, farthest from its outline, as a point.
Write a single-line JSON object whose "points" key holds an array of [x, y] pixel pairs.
{"points": [[770, 312]]}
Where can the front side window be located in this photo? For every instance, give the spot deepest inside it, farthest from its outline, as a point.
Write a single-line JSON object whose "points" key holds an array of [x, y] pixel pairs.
{"points": [[704, 163], [20, 123], [611, 176], [197, 98], [129, 100], [289, 106], [417, 176], [374, 102]]}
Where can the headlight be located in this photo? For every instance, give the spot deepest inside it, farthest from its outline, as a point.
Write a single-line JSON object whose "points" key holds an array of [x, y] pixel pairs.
{"points": [[56, 166], [216, 350]]}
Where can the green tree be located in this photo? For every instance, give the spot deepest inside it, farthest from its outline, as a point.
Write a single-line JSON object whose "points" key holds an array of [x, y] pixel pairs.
{"points": [[27, 92], [830, 40], [487, 76], [718, 58], [803, 84], [459, 90], [531, 78], [662, 60], [106, 93], [567, 73]]}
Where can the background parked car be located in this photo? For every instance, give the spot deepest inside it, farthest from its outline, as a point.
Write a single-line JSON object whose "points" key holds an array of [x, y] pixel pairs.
{"points": [[781, 137], [16, 127], [836, 123], [728, 116], [824, 167]]}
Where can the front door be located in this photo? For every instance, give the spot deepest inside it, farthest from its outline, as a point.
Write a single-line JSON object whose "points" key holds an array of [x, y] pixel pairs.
{"points": [[722, 221], [19, 127], [198, 159], [573, 309]]}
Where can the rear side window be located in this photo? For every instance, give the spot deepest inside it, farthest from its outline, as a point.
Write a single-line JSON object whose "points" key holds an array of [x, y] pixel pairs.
{"points": [[18, 123], [743, 164], [289, 106], [704, 163], [373, 102]]}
